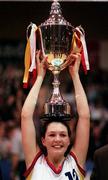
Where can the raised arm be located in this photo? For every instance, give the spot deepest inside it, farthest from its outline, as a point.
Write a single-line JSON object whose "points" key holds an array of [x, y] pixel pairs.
{"points": [[80, 147], [30, 146]]}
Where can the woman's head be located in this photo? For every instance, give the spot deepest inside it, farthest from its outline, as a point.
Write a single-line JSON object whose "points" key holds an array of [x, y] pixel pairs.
{"points": [[56, 137]]}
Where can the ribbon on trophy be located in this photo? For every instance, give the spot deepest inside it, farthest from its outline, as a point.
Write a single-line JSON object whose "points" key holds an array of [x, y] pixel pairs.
{"points": [[30, 51], [79, 46]]}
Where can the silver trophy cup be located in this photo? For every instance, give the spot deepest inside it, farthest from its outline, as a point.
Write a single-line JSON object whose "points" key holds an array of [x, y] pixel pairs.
{"points": [[55, 37]]}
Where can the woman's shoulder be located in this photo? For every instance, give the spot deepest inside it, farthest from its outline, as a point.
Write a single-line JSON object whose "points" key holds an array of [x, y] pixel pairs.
{"points": [[30, 168], [72, 156]]}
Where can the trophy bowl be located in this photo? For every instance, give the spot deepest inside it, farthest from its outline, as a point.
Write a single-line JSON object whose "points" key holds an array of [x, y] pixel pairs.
{"points": [[55, 39]]}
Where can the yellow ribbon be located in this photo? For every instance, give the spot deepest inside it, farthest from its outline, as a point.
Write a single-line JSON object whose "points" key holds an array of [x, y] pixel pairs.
{"points": [[76, 43], [27, 61], [79, 46]]}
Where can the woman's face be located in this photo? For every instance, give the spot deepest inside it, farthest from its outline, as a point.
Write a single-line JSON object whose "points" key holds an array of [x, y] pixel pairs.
{"points": [[56, 139]]}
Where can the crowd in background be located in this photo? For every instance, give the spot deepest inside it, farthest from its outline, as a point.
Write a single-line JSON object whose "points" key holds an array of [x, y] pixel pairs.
{"points": [[12, 96]]}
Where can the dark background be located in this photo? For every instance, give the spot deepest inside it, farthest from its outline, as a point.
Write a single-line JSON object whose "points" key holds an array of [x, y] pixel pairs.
{"points": [[15, 17]]}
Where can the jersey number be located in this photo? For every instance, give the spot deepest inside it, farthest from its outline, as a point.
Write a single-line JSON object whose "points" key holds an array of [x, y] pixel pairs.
{"points": [[72, 176]]}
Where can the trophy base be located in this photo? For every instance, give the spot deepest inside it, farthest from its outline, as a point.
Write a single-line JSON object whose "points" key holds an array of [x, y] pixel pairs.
{"points": [[56, 117], [57, 112]]}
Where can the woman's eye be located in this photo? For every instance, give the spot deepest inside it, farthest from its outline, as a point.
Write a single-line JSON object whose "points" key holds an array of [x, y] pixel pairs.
{"points": [[51, 135], [63, 135]]}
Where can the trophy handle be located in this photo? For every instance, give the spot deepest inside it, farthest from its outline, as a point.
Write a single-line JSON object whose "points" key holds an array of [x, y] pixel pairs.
{"points": [[40, 45], [28, 30]]}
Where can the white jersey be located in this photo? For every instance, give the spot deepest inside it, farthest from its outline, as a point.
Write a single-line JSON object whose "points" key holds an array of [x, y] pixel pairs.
{"points": [[42, 169]]}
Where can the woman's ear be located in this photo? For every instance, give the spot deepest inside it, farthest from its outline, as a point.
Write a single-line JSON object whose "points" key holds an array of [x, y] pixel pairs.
{"points": [[43, 141], [43, 148]]}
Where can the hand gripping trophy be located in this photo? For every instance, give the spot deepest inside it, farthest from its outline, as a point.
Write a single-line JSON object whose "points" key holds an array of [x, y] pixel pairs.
{"points": [[56, 38]]}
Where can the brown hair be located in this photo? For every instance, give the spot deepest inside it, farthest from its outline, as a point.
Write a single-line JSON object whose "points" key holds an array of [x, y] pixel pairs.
{"points": [[46, 123]]}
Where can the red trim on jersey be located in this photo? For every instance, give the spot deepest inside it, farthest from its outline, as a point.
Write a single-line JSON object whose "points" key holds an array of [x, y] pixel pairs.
{"points": [[56, 170], [28, 171], [80, 168]]}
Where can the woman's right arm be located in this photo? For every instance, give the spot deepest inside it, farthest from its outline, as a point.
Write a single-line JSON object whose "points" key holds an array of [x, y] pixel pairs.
{"points": [[30, 146]]}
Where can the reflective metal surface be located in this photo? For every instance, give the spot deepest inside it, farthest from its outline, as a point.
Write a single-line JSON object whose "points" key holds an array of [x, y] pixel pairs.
{"points": [[55, 36]]}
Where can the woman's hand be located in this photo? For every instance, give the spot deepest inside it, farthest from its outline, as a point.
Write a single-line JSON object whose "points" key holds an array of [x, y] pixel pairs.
{"points": [[74, 67], [41, 68]]}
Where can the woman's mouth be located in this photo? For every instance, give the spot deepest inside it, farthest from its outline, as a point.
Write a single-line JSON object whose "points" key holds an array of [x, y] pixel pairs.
{"points": [[57, 146]]}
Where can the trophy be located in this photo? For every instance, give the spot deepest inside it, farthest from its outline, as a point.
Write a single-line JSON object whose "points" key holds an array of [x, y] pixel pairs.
{"points": [[55, 37]]}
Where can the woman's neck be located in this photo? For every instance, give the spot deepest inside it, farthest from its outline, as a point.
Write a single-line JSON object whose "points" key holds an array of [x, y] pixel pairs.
{"points": [[56, 161]]}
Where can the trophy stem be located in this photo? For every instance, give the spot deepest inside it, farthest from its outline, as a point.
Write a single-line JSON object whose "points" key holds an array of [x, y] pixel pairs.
{"points": [[56, 96]]}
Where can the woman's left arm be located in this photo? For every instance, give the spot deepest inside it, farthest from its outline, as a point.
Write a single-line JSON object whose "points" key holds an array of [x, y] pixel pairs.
{"points": [[80, 146]]}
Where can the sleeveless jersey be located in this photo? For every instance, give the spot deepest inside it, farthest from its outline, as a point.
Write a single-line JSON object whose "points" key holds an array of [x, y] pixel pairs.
{"points": [[42, 169]]}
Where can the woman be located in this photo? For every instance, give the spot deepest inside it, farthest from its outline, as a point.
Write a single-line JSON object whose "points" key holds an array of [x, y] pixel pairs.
{"points": [[56, 139]]}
